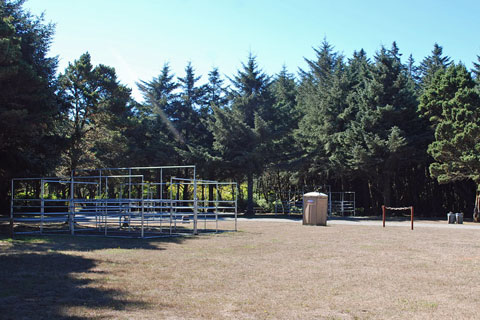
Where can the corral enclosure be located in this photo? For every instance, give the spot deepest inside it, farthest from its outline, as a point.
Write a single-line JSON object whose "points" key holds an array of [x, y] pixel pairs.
{"points": [[268, 270], [122, 202]]}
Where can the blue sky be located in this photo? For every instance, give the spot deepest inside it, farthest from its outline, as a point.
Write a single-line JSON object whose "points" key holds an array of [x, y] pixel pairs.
{"points": [[138, 37]]}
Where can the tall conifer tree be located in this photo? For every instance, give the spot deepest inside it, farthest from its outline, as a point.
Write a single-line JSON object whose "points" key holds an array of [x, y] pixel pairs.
{"points": [[452, 105], [433, 63], [240, 133], [28, 109]]}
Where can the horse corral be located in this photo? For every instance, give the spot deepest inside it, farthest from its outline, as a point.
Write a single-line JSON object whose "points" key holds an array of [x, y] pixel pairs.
{"points": [[141, 202]]}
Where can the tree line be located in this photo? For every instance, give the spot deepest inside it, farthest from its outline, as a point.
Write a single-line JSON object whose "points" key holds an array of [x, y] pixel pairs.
{"points": [[394, 131]]}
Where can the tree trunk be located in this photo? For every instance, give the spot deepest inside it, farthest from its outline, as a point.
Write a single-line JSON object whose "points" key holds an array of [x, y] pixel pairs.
{"points": [[476, 210], [387, 190]]}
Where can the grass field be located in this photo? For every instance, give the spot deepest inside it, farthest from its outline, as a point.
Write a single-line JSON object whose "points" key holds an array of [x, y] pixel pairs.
{"points": [[267, 270]]}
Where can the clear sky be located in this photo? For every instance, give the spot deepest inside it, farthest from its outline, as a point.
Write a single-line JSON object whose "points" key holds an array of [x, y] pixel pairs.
{"points": [[138, 37]]}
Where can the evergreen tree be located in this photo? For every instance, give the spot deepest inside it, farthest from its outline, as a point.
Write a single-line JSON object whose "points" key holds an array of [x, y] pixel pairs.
{"points": [[94, 108], [359, 69], [285, 118], [215, 97], [251, 114], [215, 93], [452, 105], [476, 70], [159, 94], [155, 137], [413, 71], [28, 109], [431, 64], [192, 120], [322, 69], [283, 151], [383, 135], [251, 94], [191, 100], [322, 98]]}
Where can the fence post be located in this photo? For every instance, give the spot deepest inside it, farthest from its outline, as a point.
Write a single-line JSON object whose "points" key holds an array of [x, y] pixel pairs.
{"points": [[236, 205], [216, 207], [72, 205], [383, 215], [411, 215], [195, 205], [143, 212]]}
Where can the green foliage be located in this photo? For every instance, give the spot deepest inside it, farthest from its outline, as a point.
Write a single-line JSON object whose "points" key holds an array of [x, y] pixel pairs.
{"points": [[28, 109], [386, 131], [242, 132], [476, 71], [95, 110], [153, 138], [452, 104], [432, 64], [322, 100]]}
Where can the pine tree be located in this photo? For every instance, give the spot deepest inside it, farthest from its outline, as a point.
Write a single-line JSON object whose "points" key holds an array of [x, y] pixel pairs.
{"points": [[322, 98], [431, 64], [154, 138], [159, 94], [452, 105], [322, 69], [250, 93], [240, 132], [413, 70], [359, 69], [94, 107], [476, 70], [28, 109], [286, 117], [191, 121], [383, 134], [215, 92], [215, 97]]}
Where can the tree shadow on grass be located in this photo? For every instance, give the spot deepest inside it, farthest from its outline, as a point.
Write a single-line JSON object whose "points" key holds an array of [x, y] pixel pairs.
{"points": [[46, 277], [44, 286], [88, 243], [82, 243]]}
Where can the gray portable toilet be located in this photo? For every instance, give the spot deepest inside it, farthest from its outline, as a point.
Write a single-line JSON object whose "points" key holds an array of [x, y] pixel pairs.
{"points": [[315, 207]]}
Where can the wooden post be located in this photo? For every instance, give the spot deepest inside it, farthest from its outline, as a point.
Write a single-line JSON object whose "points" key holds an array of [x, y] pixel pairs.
{"points": [[383, 215], [411, 215]]}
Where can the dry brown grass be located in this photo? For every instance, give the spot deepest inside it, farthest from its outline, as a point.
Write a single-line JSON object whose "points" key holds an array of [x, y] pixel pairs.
{"points": [[268, 270]]}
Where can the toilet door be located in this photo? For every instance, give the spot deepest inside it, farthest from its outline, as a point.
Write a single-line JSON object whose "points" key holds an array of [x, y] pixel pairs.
{"points": [[311, 211]]}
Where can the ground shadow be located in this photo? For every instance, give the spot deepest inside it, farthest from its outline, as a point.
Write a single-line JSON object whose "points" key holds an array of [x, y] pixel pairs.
{"points": [[43, 286], [85, 242], [39, 280]]}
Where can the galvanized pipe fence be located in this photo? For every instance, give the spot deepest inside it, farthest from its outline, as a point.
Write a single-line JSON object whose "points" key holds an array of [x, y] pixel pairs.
{"points": [[136, 202]]}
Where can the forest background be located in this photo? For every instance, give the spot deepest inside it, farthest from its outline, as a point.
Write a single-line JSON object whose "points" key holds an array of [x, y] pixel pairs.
{"points": [[394, 131]]}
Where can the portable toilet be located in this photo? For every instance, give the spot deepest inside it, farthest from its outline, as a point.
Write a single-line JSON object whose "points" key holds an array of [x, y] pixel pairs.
{"points": [[315, 207]]}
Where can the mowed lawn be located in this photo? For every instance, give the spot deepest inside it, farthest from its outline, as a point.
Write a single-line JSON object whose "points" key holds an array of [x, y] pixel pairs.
{"points": [[267, 270]]}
